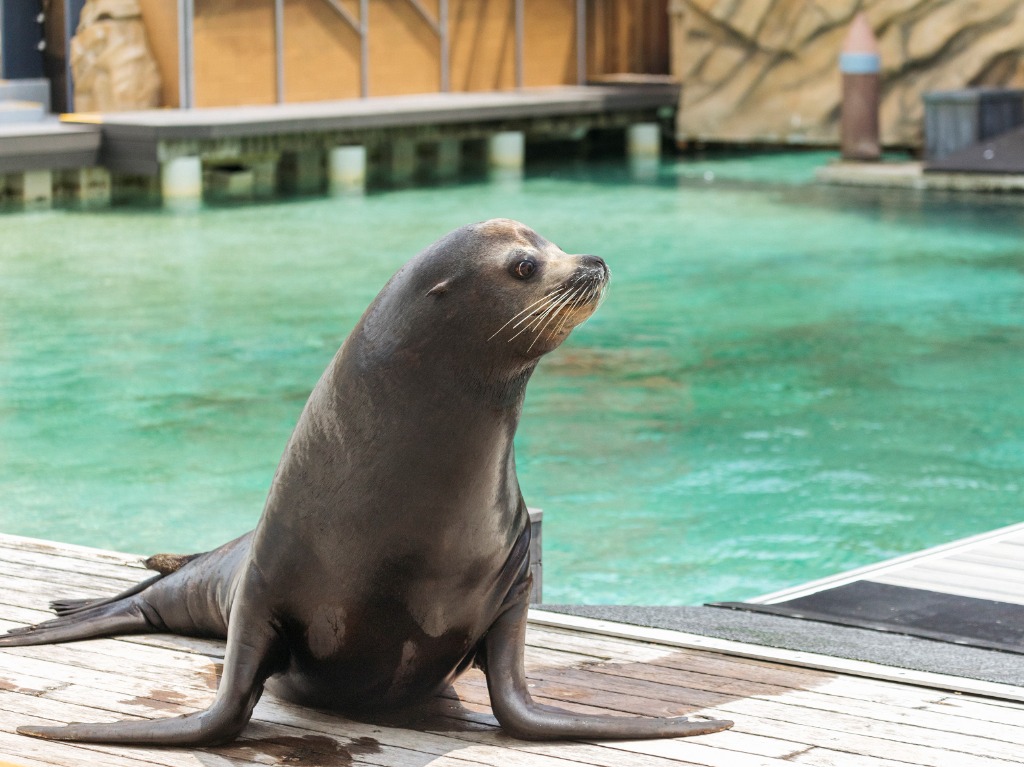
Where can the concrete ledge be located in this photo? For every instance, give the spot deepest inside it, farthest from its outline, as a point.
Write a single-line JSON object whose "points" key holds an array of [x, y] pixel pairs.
{"points": [[138, 142], [911, 175], [47, 146]]}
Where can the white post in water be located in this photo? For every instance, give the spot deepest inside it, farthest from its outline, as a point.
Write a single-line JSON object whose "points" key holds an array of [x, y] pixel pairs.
{"points": [[35, 188], [346, 170], [181, 182], [643, 140], [506, 151]]}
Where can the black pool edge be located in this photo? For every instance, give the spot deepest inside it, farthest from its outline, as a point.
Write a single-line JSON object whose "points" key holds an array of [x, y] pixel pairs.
{"points": [[836, 641]]}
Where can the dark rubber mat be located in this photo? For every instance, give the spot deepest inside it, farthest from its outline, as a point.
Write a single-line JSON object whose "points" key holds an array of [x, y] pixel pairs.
{"points": [[915, 612]]}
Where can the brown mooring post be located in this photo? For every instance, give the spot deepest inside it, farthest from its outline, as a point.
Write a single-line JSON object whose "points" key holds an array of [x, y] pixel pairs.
{"points": [[860, 64]]}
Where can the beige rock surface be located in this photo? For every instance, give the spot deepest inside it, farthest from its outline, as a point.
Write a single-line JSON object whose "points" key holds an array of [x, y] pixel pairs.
{"points": [[112, 65], [768, 70]]}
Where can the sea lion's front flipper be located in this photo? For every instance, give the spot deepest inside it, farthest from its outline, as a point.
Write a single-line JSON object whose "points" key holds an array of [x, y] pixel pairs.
{"points": [[520, 716], [254, 652]]}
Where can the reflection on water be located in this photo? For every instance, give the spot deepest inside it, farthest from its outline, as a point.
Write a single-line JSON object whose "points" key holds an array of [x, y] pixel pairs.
{"points": [[785, 380]]}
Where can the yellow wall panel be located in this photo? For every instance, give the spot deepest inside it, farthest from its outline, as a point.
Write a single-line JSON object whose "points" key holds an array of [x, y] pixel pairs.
{"points": [[161, 20], [404, 49], [482, 44], [549, 42], [234, 52], [321, 60]]}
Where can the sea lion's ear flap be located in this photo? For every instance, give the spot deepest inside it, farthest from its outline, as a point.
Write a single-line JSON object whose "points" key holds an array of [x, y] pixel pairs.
{"points": [[440, 288]]}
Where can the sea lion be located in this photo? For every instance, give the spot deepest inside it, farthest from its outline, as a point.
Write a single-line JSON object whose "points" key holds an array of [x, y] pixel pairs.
{"points": [[393, 550]]}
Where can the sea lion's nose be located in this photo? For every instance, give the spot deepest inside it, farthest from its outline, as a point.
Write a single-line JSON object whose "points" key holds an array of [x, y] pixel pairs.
{"points": [[596, 263]]}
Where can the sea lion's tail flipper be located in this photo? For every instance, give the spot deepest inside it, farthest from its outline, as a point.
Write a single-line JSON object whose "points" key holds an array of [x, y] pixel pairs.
{"points": [[521, 717], [253, 654]]}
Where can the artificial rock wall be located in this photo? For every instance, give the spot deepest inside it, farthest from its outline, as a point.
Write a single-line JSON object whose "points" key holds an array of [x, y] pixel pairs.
{"points": [[768, 71]]}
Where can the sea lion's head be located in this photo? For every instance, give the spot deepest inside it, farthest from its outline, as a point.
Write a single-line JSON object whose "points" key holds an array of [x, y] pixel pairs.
{"points": [[493, 296], [517, 291]]}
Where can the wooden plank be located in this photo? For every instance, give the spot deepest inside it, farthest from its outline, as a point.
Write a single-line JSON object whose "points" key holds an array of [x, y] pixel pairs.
{"points": [[784, 677], [778, 721], [662, 687], [792, 657], [70, 550], [831, 703], [119, 571]]}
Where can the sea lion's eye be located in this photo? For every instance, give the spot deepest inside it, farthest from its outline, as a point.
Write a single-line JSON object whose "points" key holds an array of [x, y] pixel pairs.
{"points": [[524, 269]]}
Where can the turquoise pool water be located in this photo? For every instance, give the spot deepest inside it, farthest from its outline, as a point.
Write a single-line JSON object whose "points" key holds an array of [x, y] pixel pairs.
{"points": [[785, 381]]}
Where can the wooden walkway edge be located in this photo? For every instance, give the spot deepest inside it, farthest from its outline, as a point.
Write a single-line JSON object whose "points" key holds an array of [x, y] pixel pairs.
{"points": [[785, 714]]}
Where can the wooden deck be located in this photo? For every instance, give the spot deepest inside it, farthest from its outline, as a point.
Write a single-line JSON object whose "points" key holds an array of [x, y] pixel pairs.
{"points": [[785, 714]]}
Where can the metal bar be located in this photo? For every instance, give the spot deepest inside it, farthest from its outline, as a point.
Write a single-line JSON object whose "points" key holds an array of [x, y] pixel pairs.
{"points": [[445, 51], [72, 15], [440, 28], [69, 80], [348, 17], [581, 41], [519, 43], [186, 82], [426, 16], [279, 48], [364, 48]]}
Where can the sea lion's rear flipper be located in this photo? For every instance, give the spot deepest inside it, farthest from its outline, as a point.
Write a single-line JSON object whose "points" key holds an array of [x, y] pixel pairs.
{"points": [[90, 618], [254, 652], [521, 717], [65, 607]]}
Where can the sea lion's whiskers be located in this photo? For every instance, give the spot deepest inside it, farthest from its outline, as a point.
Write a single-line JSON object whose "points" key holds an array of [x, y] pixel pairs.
{"points": [[536, 317], [576, 304], [570, 302], [543, 298], [551, 310], [558, 308], [539, 318], [555, 298]]}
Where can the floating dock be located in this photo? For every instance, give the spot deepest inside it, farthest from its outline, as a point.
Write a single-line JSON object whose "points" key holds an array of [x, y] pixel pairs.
{"points": [[786, 711]]}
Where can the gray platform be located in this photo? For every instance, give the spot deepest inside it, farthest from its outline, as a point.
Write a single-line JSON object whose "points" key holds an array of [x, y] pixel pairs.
{"points": [[48, 145], [137, 142]]}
